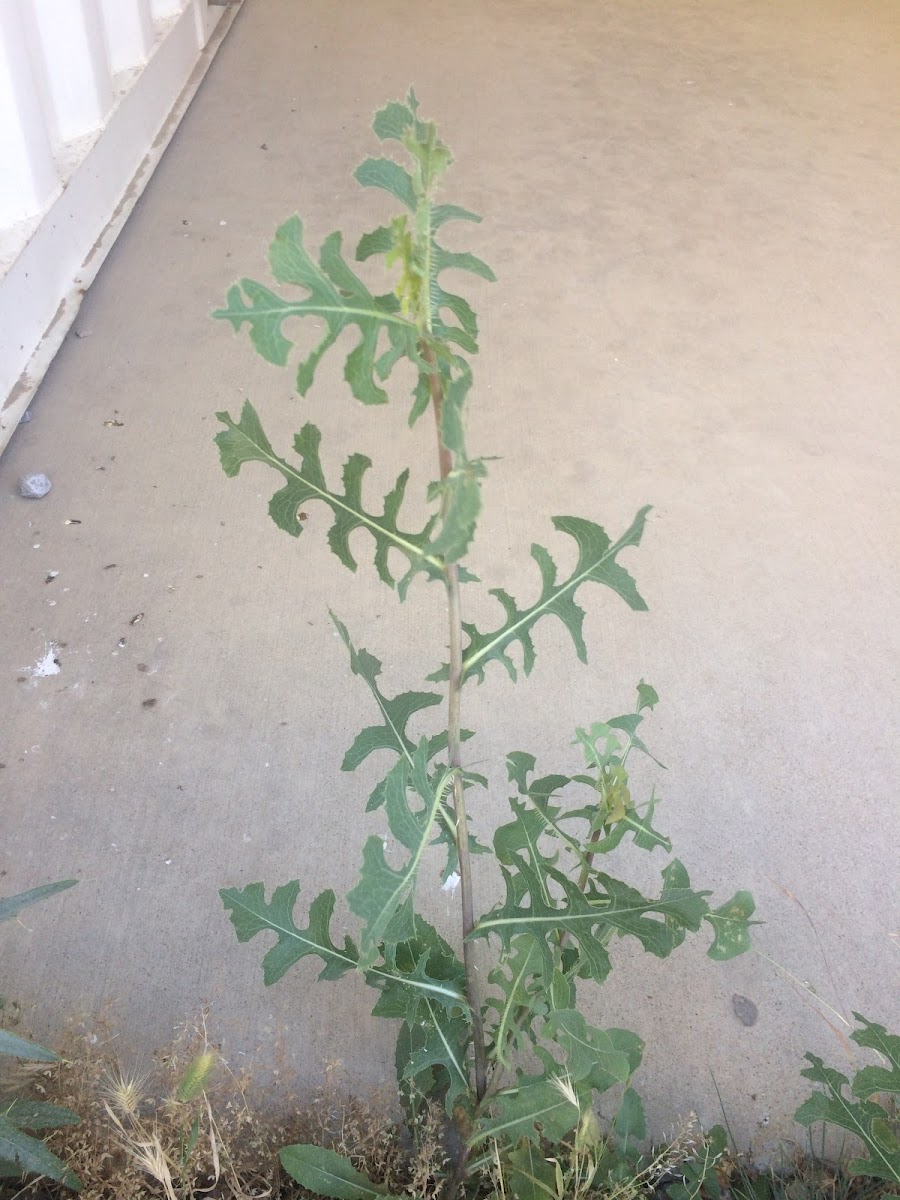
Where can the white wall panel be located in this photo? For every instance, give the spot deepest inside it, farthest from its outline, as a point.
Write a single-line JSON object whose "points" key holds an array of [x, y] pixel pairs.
{"points": [[73, 54], [128, 28], [91, 91], [28, 177]]}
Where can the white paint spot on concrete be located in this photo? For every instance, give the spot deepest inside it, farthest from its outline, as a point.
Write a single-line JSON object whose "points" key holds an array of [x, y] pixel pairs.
{"points": [[46, 666], [451, 883]]}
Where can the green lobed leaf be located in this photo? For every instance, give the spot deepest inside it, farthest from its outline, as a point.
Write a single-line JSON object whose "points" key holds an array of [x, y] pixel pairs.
{"points": [[391, 122], [544, 918], [441, 1040], [536, 1106], [600, 1057], [870, 1080], [423, 966], [423, 258], [460, 491], [245, 441], [251, 914], [434, 1039], [11, 906], [524, 834], [863, 1118], [731, 923], [383, 890], [680, 906], [390, 177], [596, 564], [325, 1173], [337, 296], [589, 918], [391, 735], [518, 977], [640, 825]]}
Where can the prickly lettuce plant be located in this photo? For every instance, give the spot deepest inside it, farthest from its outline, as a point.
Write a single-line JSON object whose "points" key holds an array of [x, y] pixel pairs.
{"points": [[488, 1022]]}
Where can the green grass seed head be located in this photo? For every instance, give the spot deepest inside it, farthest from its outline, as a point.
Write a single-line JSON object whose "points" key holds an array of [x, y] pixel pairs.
{"points": [[196, 1075]]}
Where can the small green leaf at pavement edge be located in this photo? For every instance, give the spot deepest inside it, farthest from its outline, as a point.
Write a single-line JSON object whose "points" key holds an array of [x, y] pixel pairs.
{"points": [[325, 1173]]}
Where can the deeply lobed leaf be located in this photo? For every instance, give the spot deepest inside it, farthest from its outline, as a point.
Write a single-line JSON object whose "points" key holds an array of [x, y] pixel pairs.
{"points": [[245, 441], [870, 1080], [338, 298], [600, 1057], [391, 734], [863, 1118], [402, 967], [596, 564], [251, 914], [383, 896]]}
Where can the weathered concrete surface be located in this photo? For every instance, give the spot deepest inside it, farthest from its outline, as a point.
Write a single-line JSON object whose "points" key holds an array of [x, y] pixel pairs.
{"points": [[693, 210]]}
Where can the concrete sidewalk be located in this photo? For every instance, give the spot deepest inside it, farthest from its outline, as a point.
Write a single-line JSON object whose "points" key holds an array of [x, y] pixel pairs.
{"points": [[692, 210]]}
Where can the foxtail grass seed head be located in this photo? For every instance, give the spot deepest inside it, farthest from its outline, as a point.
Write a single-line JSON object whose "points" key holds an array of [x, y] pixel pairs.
{"points": [[125, 1092], [196, 1076]]}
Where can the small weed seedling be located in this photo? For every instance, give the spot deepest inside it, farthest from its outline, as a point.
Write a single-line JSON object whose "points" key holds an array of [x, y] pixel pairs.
{"points": [[505, 1048]]}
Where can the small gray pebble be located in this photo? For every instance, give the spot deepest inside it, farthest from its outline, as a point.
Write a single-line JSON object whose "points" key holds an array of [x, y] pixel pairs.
{"points": [[745, 1010], [25, 417], [32, 487]]}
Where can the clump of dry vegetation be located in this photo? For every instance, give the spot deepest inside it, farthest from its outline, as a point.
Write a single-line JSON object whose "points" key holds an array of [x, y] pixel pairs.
{"points": [[185, 1126]]}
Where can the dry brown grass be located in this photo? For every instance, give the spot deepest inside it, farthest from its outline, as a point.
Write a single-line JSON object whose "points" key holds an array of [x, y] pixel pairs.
{"points": [[185, 1126]]}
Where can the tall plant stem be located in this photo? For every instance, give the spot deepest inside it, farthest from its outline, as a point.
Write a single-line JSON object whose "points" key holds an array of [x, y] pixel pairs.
{"points": [[454, 612]]}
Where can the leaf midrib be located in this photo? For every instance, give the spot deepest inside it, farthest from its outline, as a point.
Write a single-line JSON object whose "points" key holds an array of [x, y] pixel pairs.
{"points": [[330, 498], [508, 631], [329, 952], [297, 307]]}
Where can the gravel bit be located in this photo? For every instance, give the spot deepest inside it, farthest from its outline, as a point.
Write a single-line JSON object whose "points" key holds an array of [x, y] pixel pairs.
{"points": [[32, 487]]}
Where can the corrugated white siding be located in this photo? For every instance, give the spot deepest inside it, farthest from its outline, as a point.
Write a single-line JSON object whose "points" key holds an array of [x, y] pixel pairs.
{"points": [[90, 93]]}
